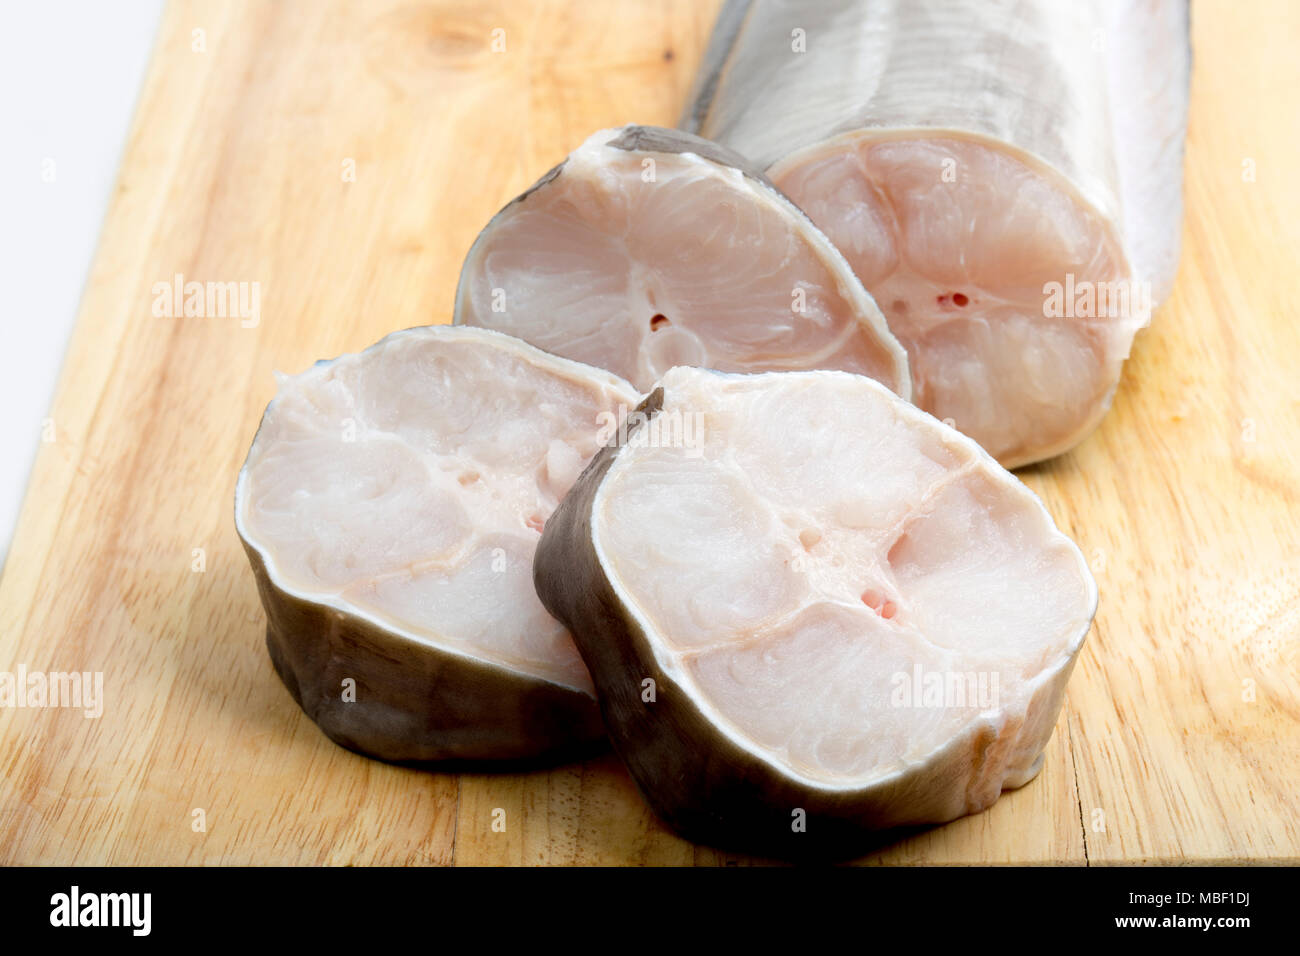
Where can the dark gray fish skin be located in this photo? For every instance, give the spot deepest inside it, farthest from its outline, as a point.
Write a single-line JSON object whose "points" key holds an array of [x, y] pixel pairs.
{"points": [[413, 705], [731, 18], [657, 139], [549, 176]]}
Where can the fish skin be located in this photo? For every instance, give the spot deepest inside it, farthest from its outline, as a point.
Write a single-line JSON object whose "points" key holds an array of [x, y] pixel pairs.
{"points": [[851, 79], [416, 704], [1149, 82], [657, 139]]}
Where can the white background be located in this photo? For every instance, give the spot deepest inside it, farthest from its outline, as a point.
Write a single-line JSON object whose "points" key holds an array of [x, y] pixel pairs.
{"points": [[70, 72]]}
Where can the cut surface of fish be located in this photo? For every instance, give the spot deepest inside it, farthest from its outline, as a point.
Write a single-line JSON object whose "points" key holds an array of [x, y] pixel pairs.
{"points": [[827, 614], [390, 506], [649, 248], [1004, 177]]}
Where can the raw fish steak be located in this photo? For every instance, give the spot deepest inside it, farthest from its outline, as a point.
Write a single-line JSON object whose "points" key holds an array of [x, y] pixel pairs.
{"points": [[390, 506], [648, 248], [829, 615], [1005, 176]]}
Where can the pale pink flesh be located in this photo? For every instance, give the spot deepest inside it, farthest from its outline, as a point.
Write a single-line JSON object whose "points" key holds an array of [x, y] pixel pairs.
{"points": [[825, 543], [957, 240], [410, 482], [697, 266]]}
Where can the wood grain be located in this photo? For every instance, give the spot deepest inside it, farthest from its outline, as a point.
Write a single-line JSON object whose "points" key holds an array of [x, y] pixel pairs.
{"points": [[1180, 740]]}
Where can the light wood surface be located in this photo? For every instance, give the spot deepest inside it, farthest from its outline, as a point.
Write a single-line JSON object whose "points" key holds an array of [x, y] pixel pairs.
{"points": [[1180, 739]]}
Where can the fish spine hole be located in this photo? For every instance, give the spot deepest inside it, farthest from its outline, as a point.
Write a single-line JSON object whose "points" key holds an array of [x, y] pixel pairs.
{"points": [[879, 603]]}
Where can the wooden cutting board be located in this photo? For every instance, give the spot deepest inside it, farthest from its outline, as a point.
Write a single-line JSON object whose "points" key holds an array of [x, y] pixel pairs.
{"points": [[1180, 738]]}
